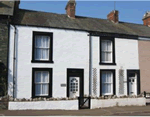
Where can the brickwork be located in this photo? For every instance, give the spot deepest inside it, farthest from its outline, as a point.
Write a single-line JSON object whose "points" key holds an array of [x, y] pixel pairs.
{"points": [[144, 63], [70, 9], [113, 16]]}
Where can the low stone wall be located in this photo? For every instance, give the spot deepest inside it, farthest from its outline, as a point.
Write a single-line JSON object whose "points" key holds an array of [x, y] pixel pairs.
{"points": [[101, 103], [44, 105]]}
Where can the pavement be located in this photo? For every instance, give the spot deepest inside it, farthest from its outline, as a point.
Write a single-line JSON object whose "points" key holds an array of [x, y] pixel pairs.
{"points": [[112, 111]]}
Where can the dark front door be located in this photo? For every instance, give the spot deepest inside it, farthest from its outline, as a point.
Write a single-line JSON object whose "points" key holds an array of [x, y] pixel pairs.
{"points": [[75, 82]]}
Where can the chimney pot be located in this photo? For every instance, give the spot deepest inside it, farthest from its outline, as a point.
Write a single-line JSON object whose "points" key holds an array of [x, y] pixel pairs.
{"points": [[70, 8], [146, 19], [113, 16]]}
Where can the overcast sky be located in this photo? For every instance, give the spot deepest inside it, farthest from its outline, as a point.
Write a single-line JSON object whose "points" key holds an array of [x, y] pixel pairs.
{"points": [[128, 11]]}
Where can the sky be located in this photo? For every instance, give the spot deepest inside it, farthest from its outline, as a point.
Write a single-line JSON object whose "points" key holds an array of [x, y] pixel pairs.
{"points": [[129, 11]]}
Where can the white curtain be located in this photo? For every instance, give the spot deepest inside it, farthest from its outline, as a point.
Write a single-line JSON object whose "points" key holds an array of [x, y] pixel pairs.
{"points": [[106, 82], [42, 47], [41, 82], [106, 50]]}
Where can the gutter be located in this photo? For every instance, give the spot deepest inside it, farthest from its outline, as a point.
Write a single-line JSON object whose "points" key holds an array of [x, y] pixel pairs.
{"points": [[144, 38]]}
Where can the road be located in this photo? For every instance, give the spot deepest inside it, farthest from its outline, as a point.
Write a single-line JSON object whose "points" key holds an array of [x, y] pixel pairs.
{"points": [[115, 111]]}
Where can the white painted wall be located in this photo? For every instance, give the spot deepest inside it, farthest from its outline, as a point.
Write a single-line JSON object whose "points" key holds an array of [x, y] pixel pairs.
{"points": [[44, 105], [70, 50], [126, 54], [95, 103]]}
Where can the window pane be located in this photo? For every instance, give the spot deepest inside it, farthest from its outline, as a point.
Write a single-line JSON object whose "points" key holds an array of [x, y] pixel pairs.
{"points": [[45, 89], [109, 56], [109, 47], [104, 88], [45, 76], [103, 77], [37, 76], [104, 46], [109, 88], [38, 41], [37, 89], [45, 53], [38, 53], [109, 77], [103, 56], [45, 42]]}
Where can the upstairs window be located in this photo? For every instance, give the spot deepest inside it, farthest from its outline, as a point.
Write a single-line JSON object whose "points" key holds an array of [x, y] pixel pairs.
{"points": [[42, 47], [107, 51]]}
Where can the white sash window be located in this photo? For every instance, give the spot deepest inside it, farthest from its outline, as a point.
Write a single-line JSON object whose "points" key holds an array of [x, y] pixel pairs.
{"points": [[42, 46], [106, 51], [107, 83], [41, 83]]}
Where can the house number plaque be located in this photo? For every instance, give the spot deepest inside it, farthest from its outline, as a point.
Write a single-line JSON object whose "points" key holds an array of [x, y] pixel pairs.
{"points": [[63, 85]]}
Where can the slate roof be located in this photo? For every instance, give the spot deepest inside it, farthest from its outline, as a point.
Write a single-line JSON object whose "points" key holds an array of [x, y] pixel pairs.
{"points": [[44, 19], [7, 7]]}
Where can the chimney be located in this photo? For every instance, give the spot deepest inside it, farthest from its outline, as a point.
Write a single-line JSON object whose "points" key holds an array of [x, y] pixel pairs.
{"points": [[70, 9], [146, 19], [113, 16]]}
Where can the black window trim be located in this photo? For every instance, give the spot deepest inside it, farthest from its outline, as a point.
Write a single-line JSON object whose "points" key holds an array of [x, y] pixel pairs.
{"points": [[50, 51], [50, 81], [113, 48], [114, 80]]}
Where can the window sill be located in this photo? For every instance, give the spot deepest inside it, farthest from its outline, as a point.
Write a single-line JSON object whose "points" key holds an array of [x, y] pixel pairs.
{"points": [[107, 63], [41, 61]]}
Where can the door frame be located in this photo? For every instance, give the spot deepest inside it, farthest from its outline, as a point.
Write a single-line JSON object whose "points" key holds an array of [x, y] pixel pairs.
{"points": [[137, 71], [75, 72]]}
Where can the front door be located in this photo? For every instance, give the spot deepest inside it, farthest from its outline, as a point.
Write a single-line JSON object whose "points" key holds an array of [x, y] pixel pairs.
{"points": [[75, 82], [74, 86], [132, 83]]}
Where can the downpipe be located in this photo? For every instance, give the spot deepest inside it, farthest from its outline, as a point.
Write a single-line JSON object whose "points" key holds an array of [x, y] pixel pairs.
{"points": [[90, 66], [14, 61]]}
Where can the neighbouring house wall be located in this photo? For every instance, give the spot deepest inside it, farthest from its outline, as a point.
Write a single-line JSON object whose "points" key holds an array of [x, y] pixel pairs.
{"points": [[3, 47], [70, 50], [3, 39], [144, 62], [126, 54]]}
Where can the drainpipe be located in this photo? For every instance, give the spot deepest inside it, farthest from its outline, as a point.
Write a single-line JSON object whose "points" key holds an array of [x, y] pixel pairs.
{"points": [[14, 61], [90, 65]]}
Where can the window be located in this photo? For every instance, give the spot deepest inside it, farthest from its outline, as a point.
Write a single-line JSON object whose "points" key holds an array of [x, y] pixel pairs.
{"points": [[107, 51], [42, 47], [74, 85], [42, 82], [107, 82]]}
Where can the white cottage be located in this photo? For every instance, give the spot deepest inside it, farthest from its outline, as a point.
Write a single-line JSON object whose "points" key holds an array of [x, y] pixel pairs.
{"points": [[59, 55]]}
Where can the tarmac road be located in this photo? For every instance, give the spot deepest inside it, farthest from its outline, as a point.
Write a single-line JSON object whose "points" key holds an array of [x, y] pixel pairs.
{"points": [[115, 111]]}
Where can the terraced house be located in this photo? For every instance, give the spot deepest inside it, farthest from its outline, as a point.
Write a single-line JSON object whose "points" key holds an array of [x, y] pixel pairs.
{"points": [[65, 55]]}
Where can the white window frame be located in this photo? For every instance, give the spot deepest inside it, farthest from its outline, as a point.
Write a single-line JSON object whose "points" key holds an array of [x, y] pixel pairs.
{"points": [[104, 93], [41, 83], [107, 51], [35, 48]]}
